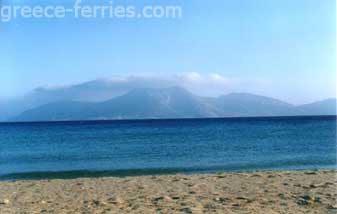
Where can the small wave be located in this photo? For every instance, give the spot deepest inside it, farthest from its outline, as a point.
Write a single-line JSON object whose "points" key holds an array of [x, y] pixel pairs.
{"points": [[289, 165]]}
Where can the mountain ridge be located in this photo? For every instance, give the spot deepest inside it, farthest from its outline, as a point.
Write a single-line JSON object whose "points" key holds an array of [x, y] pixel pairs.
{"points": [[173, 102]]}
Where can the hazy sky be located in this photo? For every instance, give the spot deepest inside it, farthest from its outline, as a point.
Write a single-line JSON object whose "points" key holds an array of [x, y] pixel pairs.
{"points": [[280, 48]]}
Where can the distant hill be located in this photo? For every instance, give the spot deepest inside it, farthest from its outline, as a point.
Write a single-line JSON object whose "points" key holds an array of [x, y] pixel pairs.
{"points": [[139, 103], [92, 91], [174, 102], [325, 107], [243, 104]]}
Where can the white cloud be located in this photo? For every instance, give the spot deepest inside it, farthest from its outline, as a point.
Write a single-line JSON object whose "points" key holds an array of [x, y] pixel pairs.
{"points": [[210, 84]]}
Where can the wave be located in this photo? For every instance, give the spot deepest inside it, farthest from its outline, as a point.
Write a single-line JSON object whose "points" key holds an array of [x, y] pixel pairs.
{"points": [[72, 174]]}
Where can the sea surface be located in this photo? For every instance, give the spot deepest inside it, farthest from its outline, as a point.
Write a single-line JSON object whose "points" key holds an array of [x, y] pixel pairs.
{"points": [[145, 147]]}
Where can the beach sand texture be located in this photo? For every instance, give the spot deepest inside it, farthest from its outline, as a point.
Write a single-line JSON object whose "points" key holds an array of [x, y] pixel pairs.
{"points": [[253, 192]]}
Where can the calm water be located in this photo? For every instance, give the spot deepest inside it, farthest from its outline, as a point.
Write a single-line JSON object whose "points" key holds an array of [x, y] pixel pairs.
{"points": [[117, 148]]}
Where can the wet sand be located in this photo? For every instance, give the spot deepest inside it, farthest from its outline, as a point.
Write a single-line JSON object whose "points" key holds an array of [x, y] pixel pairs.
{"points": [[253, 192]]}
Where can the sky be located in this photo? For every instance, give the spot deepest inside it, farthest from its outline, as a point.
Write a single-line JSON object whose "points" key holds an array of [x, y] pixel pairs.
{"points": [[281, 48]]}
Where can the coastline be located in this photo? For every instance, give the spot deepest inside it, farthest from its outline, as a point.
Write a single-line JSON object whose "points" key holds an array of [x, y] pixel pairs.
{"points": [[135, 120], [231, 192]]}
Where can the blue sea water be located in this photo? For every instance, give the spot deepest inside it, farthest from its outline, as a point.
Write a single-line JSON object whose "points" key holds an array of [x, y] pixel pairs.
{"points": [[118, 148]]}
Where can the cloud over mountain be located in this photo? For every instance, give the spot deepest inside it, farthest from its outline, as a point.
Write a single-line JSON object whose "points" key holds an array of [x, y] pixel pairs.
{"points": [[212, 84], [100, 90], [174, 102]]}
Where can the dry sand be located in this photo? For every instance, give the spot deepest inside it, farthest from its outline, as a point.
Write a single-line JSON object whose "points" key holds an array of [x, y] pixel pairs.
{"points": [[255, 192]]}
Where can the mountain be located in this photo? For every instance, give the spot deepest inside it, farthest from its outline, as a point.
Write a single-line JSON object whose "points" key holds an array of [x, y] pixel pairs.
{"points": [[325, 107], [157, 103], [92, 91], [171, 102], [58, 111], [244, 104]]}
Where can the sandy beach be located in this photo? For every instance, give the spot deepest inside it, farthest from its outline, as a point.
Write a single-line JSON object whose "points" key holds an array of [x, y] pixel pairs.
{"points": [[253, 192]]}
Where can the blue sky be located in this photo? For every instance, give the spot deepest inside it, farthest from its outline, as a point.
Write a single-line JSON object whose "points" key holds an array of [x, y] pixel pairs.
{"points": [[285, 48]]}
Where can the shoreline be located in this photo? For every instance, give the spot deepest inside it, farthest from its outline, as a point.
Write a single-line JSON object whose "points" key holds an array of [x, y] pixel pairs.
{"points": [[329, 116], [124, 173], [298, 191]]}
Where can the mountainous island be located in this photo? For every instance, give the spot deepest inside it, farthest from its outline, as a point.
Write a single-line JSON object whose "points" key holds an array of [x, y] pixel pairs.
{"points": [[173, 102]]}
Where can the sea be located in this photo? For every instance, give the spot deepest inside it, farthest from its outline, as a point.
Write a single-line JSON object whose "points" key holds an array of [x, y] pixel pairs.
{"points": [[47, 150]]}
